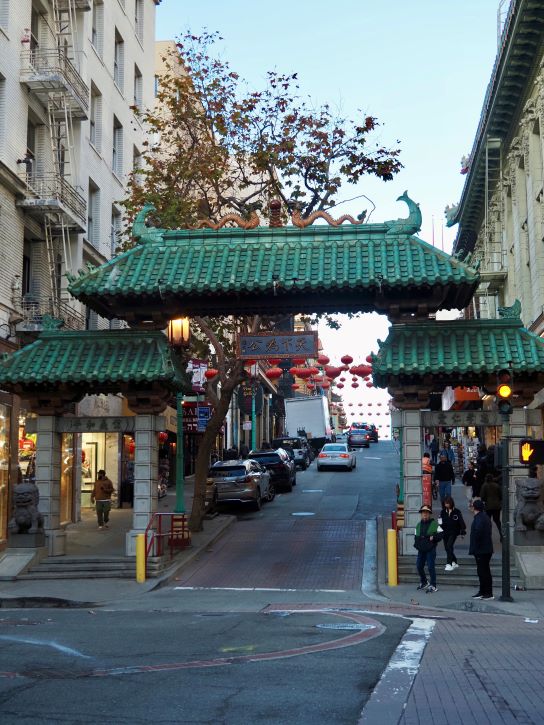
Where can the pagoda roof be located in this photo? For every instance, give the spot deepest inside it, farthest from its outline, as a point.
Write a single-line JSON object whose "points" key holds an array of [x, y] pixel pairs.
{"points": [[77, 363], [459, 352], [320, 268]]}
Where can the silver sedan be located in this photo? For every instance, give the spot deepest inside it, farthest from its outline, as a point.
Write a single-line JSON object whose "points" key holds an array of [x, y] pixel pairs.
{"points": [[336, 455]]}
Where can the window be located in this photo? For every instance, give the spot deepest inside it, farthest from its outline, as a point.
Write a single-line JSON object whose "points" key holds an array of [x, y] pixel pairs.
{"points": [[93, 215], [156, 86], [97, 27], [115, 233], [139, 19], [4, 13], [34, 30], [138, 87], [95, 118], [118, 61], [25, 284], [117, 150]]}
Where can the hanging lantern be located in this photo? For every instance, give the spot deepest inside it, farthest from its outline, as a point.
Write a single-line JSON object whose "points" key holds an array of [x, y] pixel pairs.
{"points": [[366, 378], [361, 370], [314, 370], [310, 386], [370, 404], [323, 360], [295, 386], [274, 361], [293, 370], [318, 379], [331, 371], [352, 413], [340, 385], [299, 360], [274, 373], [211, 373], [377, 414], [346, 359], [360, 404], [342, 379], [325, 384], [355, 385], [350, 404], [163, 437], [353, 380], [131, 446], [249, 363], [179, 332], [369, 385], [378, 403], [304, 373], [368, 358]]}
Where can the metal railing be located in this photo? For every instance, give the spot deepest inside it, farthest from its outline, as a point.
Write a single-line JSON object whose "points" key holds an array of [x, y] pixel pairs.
{"points": [[166, 530], [33, 309], [52, 64], [55, 187]]}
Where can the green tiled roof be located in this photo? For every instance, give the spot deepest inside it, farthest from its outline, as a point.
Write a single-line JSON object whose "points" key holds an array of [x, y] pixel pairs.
{"points": [[469, 349], [97, 361], [315, 269]]}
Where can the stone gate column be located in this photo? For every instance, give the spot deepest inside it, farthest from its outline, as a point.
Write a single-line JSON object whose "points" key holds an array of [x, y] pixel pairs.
{"points": [[411, 436], [48, 467], [146, 471]]}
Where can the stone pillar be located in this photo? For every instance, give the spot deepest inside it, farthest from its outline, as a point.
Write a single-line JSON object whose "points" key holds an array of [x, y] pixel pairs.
{"points": [[411, 437], [146, 471], [48, 466]]}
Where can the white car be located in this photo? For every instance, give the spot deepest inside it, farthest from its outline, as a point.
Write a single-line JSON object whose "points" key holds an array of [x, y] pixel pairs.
{"points": [[336, 455]]}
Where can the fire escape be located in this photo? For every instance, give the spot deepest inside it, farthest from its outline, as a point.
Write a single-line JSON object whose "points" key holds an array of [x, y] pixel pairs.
{"points": [[50, 70]]}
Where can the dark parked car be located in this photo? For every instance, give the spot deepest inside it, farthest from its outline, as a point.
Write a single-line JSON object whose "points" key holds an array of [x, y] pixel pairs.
{"points": [[299, 446], [374, 435], [280, 465], [245, 481], [359, 438]]}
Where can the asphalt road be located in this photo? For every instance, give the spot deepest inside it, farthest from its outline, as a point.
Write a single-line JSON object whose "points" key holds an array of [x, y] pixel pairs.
{"points": [[269, 626]]}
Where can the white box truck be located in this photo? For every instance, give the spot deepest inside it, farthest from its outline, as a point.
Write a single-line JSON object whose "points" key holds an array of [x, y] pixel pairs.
{"points": [[309, 416]]}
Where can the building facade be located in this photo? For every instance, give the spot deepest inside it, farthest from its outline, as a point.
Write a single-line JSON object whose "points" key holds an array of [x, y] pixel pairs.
{"points": [[71, 73]]}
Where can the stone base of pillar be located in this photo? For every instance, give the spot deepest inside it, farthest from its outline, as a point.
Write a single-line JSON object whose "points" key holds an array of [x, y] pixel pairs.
{"points": [[530, 563], [26, 541], [56, 542], [130, 541], [406, 542]]}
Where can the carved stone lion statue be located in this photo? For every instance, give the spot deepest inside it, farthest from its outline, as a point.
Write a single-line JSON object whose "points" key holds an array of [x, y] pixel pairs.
{"points": [[529, 513], [26, 518]]}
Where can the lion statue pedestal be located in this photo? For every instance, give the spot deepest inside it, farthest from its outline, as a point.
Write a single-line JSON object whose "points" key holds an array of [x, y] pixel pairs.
{"points": [[529, 531], [25, 527]]}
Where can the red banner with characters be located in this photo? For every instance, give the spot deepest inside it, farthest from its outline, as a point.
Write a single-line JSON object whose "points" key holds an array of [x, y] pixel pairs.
{"points": [[426, 482]]}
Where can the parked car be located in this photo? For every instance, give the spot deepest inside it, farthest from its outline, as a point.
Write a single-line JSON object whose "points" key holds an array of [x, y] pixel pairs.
{"points": [[299, 446], [374, 435], [246, 481], [359, 438], [280, 465], [336, 455]]}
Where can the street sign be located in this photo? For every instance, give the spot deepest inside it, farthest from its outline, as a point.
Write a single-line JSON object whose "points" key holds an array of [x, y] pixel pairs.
{"points": [[202, 418], [262, 345], [531, 452]]}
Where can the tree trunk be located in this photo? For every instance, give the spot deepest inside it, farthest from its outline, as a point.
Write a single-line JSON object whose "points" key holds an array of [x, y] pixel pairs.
{"points": [[203, 456]]}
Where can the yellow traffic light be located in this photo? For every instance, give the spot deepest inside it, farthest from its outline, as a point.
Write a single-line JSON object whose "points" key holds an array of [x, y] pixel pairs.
{"points": [[504, 391]]}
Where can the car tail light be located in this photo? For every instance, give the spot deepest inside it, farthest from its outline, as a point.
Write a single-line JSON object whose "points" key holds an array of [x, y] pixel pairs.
{"points": [[344, 455], [322, 455]]}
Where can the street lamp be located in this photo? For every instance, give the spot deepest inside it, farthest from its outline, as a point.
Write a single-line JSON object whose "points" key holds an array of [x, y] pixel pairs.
{"points": [[179, 335]]}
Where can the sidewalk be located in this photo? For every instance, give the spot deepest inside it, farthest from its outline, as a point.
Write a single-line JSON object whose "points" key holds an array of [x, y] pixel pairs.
{"points": [[84, 540]]}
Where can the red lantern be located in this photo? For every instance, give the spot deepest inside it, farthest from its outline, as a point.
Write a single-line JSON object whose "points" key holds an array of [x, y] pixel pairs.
{"points": [[355, 385], [293, 371], [318, 379], [346, 359], [340, 385], [344, 367], [332, 372], [366, 378], [249, 363], [352, 413], [323, 360], [131, 446], [342, 379], [274, 361], [304, 373], [353, 380], [294, 386], [325, 384], [310, 386], [369, 385], [163, 437], [359, 404], [368, 358], [377, 414], [314, 371], [378, 403], [350, 404], [274, 373], [370, 403], [211, 373], [299, 360]]}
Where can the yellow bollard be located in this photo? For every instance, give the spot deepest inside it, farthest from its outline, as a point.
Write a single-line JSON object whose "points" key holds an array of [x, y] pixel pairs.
{"points": [[392, 557], [140, 558]]}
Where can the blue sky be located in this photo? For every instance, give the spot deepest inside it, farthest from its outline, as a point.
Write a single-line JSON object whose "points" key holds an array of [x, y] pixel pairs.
{"points": [[420, 67]]}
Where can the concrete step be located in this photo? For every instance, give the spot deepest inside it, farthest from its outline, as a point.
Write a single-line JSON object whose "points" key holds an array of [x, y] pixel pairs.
{"points": [[36, 575], [64, 567], [465, 575]]}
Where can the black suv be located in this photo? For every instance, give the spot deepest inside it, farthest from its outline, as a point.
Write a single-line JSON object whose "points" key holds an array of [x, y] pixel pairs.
{"points": [[280, 466]]}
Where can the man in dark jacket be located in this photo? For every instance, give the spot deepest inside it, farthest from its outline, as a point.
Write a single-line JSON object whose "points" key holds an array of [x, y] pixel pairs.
{"points": [[445, 475], [481, 548]]}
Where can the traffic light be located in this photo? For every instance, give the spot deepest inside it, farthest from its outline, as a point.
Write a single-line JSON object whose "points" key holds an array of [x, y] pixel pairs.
{"points": [[504, 391]]}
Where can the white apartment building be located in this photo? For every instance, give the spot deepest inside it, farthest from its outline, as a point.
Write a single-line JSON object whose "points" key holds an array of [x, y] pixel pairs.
{"points": [[71, 72]]}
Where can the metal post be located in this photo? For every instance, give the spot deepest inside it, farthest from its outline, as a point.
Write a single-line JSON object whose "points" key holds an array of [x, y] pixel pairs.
{"points": [[505, 523], [253, 420], [180, 479]]}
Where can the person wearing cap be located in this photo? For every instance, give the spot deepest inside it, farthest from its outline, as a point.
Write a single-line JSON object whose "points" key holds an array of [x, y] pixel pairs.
{"points": [[481, 548], [425, 541], [445, 475]]}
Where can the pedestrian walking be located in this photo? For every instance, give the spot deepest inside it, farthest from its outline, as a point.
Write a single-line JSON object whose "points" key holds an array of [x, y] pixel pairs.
{"points": [[444, 474], [481, 548], [101, 497], [448, 451], [434, 448], [453, 525], [491, 495], [469, 481], [425, 541]]}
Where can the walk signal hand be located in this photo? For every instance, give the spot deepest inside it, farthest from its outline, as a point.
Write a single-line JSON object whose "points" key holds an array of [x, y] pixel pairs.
{"points": [[526, 451]]}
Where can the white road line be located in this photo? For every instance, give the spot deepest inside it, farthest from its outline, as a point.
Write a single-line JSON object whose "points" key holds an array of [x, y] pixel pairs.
{"points": [[372, 458], [257, 589], [44, 643], [387, 701]]}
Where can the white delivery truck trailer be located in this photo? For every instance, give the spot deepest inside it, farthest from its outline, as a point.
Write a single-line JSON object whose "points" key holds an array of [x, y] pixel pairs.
{"points": [[309, 416]]}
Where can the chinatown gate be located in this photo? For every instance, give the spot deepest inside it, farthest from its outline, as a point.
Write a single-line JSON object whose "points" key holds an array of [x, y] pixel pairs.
{"points": [[252, 269]]}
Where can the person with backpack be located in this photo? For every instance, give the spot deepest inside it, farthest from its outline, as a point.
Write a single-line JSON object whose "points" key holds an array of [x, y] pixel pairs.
{"points": [[453, 525], [426, 539]]}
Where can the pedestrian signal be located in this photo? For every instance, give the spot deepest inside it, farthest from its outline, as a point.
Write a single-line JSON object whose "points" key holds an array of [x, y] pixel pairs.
{"points": [[504, 392], [531, 452]]}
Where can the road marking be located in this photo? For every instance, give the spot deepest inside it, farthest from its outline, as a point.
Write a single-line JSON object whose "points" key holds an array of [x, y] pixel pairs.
{"points": [[387, 701], [372, 458], [312, 490], [44, 643], [256, 589], [303, 513]]}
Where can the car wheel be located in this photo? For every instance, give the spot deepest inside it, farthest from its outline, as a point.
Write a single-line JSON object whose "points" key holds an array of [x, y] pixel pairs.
{"points": [[258, 502], [354, 464], [271, 493]]}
